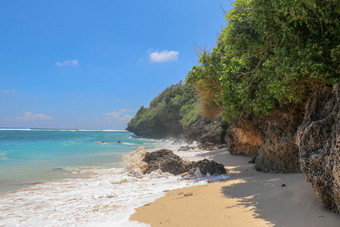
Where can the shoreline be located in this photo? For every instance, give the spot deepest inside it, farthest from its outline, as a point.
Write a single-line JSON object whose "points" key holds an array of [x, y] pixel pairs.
{"points": [[99, 198], [248, 198]]}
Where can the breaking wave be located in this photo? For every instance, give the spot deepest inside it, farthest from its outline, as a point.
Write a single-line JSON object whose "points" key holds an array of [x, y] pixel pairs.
{"points": [[100, 197]]}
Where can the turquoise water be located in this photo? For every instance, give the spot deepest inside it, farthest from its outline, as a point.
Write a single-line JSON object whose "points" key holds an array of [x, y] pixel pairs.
{"points": [[66, 178], [31, 156]]}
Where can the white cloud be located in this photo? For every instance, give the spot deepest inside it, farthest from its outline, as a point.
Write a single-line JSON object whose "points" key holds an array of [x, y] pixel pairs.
{"points": [[164, 56], [29, 116], [68, 63], [11, 91], [120, 116]]}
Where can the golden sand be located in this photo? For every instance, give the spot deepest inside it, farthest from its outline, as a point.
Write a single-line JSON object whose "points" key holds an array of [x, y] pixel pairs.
{"points": [[249, 198]]}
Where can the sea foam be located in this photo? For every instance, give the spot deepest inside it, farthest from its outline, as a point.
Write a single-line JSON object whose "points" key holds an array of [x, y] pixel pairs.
{"points": [[104, 197]]}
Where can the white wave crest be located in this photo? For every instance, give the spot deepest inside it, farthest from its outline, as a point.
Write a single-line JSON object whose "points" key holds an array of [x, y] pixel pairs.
{"points": [[106, 198], [134, 162], [102, 197], [3, 156]]}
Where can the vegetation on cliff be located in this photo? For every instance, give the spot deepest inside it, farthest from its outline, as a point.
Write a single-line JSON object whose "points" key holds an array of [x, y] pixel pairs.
{"points": [[271, 53], [171, 111], [271, 59]]}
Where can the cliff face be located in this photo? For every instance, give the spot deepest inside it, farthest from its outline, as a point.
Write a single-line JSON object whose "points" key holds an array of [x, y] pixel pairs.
{"points": [[159, 127], [269, 140], [203, 131], [318, 139], [278, 152], [289, 139], [167, 114], [243, 137]]}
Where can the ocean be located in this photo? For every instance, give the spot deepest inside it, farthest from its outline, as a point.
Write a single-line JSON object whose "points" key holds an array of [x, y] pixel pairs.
{"points": [[56, 177], [34, 155]]}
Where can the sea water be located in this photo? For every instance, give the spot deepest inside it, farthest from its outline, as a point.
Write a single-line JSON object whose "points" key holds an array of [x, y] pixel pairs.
{"points": [[28, 156], [52, 177]]}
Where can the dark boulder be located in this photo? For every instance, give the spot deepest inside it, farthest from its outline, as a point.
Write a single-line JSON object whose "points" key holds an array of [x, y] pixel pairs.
{"points": [[185, 148], [166, 161], [318, 139], [207, 167]]}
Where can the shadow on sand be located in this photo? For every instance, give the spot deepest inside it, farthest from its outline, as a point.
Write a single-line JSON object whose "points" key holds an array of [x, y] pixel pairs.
{"points": [[281, 199]]}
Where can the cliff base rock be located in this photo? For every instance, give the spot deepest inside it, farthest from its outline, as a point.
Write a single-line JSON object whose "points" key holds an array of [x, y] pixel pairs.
{"points": [[278, 152], [206, 131], [243, 137], [318, 139]]}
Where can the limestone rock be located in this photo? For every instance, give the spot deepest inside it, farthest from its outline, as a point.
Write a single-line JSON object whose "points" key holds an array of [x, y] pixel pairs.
{"points": [[278, 152], [243, 138], [318, 139], [206, 131]]}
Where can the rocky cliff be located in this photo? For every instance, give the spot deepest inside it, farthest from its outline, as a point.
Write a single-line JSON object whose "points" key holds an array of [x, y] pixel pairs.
{"points": [[173, 114], [318, 139], [270, 140], [278, 152], [167, 115], [289, 139], [206, 131], [159, 127], [243, 137]]}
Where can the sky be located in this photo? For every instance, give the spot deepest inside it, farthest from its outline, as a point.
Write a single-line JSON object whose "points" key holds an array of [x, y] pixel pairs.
{"points": [[92, 64]]}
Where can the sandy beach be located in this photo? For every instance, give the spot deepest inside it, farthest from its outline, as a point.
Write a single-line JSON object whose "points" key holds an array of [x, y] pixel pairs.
{"points": [[248, 198]]}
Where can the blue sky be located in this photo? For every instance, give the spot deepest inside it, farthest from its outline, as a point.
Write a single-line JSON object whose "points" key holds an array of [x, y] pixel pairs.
{"points": [[92, 64]]}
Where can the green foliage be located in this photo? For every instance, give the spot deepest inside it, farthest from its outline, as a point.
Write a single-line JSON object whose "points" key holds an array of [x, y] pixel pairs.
{"points": [[177, 102], [189, 113], [270, 53]]}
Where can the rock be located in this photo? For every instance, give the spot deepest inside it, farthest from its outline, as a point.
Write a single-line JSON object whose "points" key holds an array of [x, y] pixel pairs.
{"points": [[318, 139], [184, 148], [160, 127], [221, 146], [203, 131], [207, 167], [166, 161], [163, 118], [278, 152], [243, 137], [269, 141], [208, 146]]}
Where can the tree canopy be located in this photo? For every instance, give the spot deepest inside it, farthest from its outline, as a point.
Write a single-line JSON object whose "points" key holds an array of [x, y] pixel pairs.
{"points": [[271, 53], [175, 103]]}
